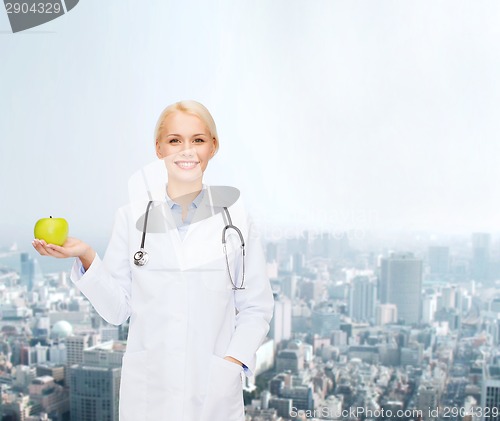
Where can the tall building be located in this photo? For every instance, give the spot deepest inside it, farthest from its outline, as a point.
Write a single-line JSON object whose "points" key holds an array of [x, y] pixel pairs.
{"points": [[480, 256], [311, 290], [41, 352], [29, 271], [289, 286], [362, 298], [490, 396], [439, 260], [281, 323], [94, 393], [427, 397], [74, 348], [429, 307], [289, 360], [302, 396], [401, 284], [95, 383], [75, 344]]}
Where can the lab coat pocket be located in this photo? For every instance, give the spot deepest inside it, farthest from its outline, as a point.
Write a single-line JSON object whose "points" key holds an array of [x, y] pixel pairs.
{"points": [[224, 399], [133, 393]]}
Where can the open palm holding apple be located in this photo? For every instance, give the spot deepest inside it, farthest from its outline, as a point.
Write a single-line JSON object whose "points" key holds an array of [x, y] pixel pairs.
{"points": [[51, 239], [72, 247]]}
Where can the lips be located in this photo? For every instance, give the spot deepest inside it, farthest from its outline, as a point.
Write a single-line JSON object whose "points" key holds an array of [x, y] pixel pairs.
{"points": [[186, 165]]}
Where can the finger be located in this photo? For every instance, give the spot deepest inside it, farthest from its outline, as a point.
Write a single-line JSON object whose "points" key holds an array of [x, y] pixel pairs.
{"points": [[57, 254], [58, 251], [39, 248], [47, 251], [49, 248], [56, 248]]}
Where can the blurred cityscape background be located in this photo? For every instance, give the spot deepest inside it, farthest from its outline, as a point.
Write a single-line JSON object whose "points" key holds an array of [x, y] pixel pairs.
{"points": [[411, 332], [378, 115]]}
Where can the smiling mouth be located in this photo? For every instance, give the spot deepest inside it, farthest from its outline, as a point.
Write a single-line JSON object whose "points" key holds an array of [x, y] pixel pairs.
{"points": [[187, 165]]}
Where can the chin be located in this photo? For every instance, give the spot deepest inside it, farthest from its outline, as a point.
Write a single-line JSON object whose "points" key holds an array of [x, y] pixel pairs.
{"points": [[185, 176]]}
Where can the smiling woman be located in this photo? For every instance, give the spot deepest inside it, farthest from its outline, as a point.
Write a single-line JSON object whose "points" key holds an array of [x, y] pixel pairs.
{"points": [[193, 332], [186, 138], [186, 145], [193, 108]]}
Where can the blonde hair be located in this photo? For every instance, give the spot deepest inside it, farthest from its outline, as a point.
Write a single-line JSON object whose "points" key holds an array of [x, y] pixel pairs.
{"points": [[189, 107]]}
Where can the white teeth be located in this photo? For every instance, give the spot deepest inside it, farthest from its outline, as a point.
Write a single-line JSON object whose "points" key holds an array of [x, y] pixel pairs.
{"points": [[186, 164]]}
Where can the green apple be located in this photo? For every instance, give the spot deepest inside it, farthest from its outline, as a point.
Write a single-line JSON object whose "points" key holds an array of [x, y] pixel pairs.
{"points": [[52, 230]]}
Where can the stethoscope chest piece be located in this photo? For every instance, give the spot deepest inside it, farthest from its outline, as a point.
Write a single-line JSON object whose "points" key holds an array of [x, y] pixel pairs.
{"points": [[141, 257]]}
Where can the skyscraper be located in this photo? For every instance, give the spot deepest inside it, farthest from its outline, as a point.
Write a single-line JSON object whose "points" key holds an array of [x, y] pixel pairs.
{"points": [[95, 383], [94, 392], [480, 256], [401, 284], [362, 297], [75, 344], [28, 270], [74, 348], [490, 396], [439, 260], [281, 323]]}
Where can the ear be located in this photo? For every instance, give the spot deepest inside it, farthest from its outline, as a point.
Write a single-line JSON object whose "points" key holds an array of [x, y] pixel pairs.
{"points": [[158, 151], [214, 147]]}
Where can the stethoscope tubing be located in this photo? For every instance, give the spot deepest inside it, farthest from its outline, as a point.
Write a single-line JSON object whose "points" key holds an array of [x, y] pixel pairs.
{"points": [[242, 241], [141, 256]]}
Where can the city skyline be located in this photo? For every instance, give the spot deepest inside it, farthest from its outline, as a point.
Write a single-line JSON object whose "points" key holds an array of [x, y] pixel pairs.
{"points": [[418, 242], [344, 320]]}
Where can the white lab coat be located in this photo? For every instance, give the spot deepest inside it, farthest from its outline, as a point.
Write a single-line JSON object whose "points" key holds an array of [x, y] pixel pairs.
{"points": [[182, 315]]}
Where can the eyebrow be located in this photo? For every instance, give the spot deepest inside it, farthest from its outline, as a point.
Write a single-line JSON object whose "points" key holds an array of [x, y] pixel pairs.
{"points": [[178, 135]]}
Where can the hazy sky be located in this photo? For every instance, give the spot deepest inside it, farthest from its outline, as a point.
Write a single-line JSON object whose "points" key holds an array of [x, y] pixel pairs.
{"points": [[337, 114]]}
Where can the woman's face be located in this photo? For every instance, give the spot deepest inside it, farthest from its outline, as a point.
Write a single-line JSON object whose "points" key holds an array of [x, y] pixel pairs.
{"points": [[186, 146]]}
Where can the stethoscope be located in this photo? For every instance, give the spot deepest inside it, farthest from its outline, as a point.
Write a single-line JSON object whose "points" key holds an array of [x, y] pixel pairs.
{"points": [[141, 256]]}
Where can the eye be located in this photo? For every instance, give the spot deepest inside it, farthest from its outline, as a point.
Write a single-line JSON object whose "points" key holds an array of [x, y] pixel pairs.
{"points": [[174, 140], [199, 140]]}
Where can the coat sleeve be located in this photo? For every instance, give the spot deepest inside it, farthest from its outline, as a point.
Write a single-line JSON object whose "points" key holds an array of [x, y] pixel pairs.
{"points": [[254, 304], [107, 282]]}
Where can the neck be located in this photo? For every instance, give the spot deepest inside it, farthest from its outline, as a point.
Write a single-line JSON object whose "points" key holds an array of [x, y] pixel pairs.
{"points": [[184, 193]]}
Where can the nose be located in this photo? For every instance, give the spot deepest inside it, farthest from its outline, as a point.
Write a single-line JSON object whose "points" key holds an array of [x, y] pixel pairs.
{"points": [[188, 151]]}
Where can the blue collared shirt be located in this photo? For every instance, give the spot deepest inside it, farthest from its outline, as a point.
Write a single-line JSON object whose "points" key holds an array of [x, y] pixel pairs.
{"points": [[183, 225]]}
